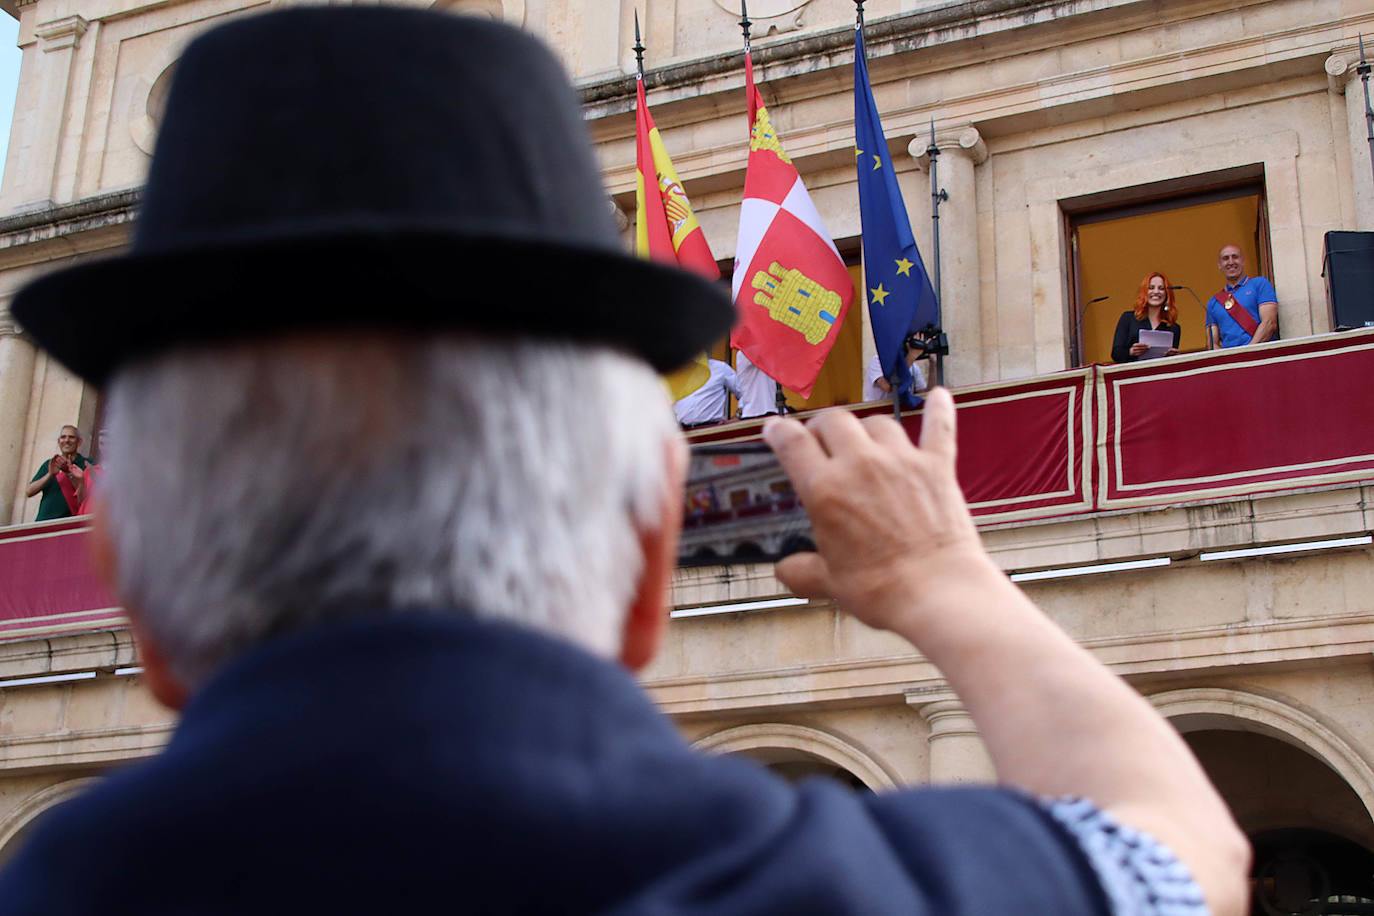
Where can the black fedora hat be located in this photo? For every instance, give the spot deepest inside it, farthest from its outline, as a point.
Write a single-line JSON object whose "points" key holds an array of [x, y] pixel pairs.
{"points": [[370, 167]]}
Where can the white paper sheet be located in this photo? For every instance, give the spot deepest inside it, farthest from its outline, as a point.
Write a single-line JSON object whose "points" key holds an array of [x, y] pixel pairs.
{"points": [[1159, 343]]}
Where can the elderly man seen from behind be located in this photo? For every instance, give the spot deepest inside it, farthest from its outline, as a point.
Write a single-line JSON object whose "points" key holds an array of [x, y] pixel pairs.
{"points": [[404, 667]]}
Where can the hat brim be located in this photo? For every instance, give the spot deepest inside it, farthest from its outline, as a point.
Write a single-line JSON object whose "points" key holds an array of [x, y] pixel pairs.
{"points": [[95, 317]]}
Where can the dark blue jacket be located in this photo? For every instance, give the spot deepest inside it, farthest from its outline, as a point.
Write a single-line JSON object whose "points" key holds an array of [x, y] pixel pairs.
{"points": [[426, 764]]}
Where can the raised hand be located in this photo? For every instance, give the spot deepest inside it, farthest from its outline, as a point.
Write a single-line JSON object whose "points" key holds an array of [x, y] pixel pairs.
{"points": [[885, 513]]}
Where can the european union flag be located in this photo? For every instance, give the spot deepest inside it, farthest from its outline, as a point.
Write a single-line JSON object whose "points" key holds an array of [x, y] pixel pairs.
{"points": [[898, 290]]}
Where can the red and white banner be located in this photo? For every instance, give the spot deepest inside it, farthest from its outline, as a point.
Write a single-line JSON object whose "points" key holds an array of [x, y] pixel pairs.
{"points": [[790, 285], [49, 584], [1213, 426], [1268, 417], [1277, 416], [1024, 447]]}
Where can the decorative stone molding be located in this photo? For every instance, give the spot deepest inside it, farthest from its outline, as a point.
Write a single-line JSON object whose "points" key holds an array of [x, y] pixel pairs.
{"points": [[1199, 708], [99, 651], [1342, 70], [622, 219], [964, 139], [809, 741], [770, 16], [84, 747], [946, 718], [957, 753], [37, 803], [8, 326], [145, 116], [1337, 72], [61, 33], [512, 11], [68, 220]]}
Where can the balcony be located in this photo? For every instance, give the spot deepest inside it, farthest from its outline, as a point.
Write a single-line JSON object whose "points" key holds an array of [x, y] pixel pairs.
{"points": [[1103, 464]]}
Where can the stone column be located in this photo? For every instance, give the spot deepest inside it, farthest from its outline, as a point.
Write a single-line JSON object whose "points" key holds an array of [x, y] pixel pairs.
{"points": [[961, 150], [623, 223], [57, 43], [956, 753], [16, 382], [1340, 70]]}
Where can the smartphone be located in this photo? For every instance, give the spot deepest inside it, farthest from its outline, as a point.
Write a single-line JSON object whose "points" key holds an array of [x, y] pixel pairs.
{"points": [[739, 507]]}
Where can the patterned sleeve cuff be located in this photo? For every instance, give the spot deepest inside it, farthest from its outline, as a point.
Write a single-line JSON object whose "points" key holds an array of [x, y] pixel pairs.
{"points": [[1140, 875]]}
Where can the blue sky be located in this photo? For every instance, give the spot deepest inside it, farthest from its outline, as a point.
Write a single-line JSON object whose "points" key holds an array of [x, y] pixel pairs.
{"points": [[9, 78]]}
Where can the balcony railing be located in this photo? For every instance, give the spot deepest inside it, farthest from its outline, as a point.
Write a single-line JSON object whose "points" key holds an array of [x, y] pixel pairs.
{"points": [[1280, 416], [1208, 426]]}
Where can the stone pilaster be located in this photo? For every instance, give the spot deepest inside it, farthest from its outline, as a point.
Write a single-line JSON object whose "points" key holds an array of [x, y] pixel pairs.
{"points": [[961, 151], [956, 753], [1345, 80], [16, 382], [588, 36], [57, 42]]}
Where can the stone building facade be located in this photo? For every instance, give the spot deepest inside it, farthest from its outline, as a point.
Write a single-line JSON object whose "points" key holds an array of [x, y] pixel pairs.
{"points": [[1050, 117]]}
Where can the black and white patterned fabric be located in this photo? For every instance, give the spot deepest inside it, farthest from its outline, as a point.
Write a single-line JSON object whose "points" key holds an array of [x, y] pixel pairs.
{"points": [[1140, 875]]}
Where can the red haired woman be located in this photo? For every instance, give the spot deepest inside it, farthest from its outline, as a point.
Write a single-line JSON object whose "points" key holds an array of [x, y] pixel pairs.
{"points": [[1154, 311]]}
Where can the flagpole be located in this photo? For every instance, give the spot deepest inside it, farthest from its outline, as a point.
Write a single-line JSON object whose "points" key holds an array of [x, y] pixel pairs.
{"points": [[639, 50], [1363, 70], [937, 196], [779, 396]]}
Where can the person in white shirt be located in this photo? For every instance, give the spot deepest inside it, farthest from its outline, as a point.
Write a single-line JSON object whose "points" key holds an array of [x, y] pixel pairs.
{"points": [[709, 403], [877, 387], [758, 391]]}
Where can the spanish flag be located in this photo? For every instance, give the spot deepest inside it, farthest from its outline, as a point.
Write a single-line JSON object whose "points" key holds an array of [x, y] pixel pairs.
{"points": [[666, 229], [790, 285]]}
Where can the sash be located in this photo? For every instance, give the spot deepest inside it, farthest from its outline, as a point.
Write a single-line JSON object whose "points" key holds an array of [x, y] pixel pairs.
{"points": [[1237, 312]]}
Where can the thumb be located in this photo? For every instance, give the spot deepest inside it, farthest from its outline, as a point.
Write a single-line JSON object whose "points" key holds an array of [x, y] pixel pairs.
{"points": [[805, 574]]}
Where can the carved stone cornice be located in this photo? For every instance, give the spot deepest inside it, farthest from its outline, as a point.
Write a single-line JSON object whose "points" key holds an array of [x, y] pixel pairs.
{"points": [[68, 219], [59, 34], [832, 47]]}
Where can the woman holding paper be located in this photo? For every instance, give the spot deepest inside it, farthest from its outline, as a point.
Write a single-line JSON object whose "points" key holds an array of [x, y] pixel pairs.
{"points": [[1155, 316]]}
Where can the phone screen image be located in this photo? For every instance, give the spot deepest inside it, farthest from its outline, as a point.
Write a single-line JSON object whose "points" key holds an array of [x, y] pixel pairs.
{"points": [[739, 507]]}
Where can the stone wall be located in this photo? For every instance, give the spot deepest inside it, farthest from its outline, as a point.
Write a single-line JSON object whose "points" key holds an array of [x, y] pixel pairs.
{"points": [[1033, 104]]}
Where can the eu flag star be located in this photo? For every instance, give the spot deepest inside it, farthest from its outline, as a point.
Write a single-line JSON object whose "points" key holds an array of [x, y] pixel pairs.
{"points": [[904, 267], [877, 162], [879, 294], [858, 152]]}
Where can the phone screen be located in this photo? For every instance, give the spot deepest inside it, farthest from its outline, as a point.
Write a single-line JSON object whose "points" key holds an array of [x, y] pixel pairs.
{"points": [[739, 507]]}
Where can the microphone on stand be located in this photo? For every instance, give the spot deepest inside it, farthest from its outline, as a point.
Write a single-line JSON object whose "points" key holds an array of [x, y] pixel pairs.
{"points": [[1081, 316], [1206, 327], [1189, 289]]}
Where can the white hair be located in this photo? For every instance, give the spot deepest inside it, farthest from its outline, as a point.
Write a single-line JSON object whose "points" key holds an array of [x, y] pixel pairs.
{"points": [[264, 487]]}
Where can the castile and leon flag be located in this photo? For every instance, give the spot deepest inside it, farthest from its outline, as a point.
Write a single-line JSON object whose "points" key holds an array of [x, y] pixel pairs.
{"points": [[666, 229], [791, 288]]}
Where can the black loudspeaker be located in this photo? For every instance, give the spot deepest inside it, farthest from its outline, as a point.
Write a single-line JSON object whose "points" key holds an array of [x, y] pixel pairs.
{"points": [[1348, 266]]}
